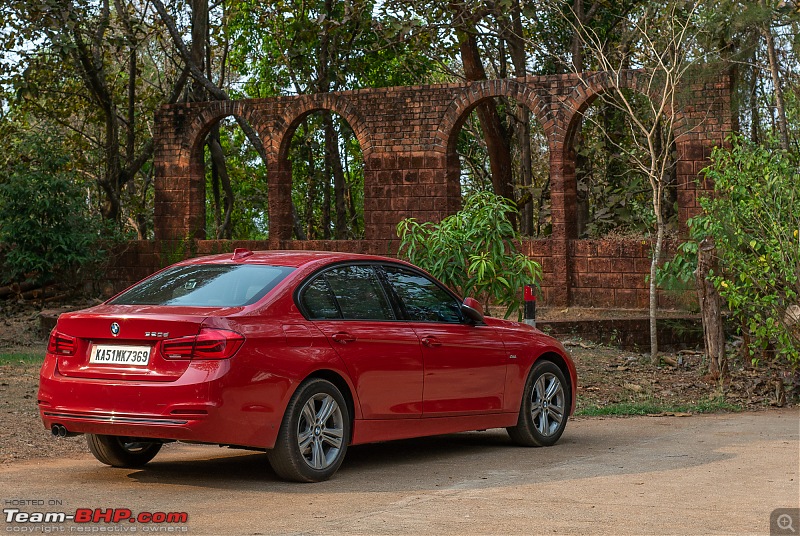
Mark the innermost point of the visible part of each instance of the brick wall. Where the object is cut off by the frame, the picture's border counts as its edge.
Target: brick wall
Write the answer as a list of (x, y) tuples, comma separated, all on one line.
[(408, 139), (605, 273)]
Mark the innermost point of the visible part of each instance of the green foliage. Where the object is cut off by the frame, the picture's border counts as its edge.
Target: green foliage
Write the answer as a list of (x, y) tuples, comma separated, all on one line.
[(754, 219), (473, 251), (248, 177), (46, 234), (173, 251), (476, 174), (313, 179), (655, 407), (22, 358)]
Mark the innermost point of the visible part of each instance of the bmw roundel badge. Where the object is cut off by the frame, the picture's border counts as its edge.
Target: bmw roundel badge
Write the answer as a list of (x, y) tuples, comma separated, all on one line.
[(114, 329)]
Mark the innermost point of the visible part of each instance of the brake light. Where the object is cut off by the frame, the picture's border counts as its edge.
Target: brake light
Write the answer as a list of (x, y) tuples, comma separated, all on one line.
[(61, 344), (208, 344)]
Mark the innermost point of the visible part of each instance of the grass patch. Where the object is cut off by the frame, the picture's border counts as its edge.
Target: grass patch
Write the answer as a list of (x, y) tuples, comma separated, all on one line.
[(648, 407), (21, 358)]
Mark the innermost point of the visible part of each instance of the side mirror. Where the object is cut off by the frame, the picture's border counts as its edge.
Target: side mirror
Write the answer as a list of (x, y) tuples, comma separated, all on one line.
[(472, 310)]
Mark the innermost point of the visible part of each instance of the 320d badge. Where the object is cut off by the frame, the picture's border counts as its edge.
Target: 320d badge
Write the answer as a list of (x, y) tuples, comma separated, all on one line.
[(301, 354)]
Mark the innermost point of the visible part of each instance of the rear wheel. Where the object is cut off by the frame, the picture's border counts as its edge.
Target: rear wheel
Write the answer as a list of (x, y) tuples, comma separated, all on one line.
[(545, 407), (312, 441), (118, 451)]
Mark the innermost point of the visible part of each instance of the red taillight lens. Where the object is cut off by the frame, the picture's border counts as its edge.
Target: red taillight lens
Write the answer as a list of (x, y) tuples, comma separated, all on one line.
[(61, 344), (209, 344)]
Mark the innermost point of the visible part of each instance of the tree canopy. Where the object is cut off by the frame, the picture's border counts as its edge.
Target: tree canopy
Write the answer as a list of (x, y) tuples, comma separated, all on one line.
[(94, 72)]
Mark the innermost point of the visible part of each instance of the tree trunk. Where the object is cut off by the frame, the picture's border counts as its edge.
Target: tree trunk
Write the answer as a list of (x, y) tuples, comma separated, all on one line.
[(198, 50), (516, 46), (710, 310), (334, 163), (582, 186), (766, 30), (224, 230), (755, 117), (311, 185), (215, 192), (577, 42), (326, 202), (655, 261), (582, 214), (493, 132)]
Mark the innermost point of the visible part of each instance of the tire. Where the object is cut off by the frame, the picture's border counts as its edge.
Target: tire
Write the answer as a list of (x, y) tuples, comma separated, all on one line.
[(544, 410), (313, 437), (118, 451)]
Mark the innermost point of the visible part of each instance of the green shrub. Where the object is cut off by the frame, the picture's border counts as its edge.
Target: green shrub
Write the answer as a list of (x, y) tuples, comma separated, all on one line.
[(46, 232), (754, 219), (473, 251)]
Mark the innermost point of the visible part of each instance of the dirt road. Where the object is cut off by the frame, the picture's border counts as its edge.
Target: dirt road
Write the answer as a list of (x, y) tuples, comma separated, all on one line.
[(714, 474)]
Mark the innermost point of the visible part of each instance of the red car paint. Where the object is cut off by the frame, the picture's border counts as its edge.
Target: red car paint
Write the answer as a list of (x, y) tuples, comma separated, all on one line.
[(404, 378)]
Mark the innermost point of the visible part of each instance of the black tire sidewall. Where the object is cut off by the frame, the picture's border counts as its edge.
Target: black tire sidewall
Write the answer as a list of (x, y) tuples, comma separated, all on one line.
[(111, 451), (526, 420), (286, 458)]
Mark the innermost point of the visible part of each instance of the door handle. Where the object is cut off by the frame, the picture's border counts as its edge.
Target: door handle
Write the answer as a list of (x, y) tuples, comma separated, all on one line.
[(431, 342), (343, 337)]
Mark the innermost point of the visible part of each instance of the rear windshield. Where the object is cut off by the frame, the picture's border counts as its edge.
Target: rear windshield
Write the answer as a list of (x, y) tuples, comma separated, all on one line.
[(206, 285)]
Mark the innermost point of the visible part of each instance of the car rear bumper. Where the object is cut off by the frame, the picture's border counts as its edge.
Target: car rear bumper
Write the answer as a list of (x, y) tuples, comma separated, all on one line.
[(196, 407)]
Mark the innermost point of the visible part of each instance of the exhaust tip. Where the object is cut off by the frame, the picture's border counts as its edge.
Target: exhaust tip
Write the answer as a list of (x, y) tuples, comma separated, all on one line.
[(59, 430)]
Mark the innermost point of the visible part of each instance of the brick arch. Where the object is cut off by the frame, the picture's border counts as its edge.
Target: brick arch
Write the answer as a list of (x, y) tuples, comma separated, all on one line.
[(404, 134), (460, 108), (587, 91), (477, 92), (215, 112), (286, 122), (191, 153), (304, 105)]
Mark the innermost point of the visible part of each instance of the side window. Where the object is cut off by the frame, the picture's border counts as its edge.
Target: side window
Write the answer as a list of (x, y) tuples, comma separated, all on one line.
[(424, 300), (318, 300), (359, 293)]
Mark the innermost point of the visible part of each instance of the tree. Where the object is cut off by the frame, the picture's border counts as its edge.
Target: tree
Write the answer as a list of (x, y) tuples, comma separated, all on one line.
[(754, 221), (89, 45), (46, 233), (665, 39), (317, 47)]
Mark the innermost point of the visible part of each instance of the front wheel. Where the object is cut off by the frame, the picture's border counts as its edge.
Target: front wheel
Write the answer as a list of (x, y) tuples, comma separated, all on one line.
[(118, 451), (312, 440), (545, 407)]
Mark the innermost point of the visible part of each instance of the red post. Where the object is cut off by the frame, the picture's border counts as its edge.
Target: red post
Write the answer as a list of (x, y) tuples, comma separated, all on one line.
[(529, 313)]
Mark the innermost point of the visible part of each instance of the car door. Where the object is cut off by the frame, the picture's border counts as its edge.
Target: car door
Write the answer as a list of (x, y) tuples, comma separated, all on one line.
[(465, 365), (349, 305)]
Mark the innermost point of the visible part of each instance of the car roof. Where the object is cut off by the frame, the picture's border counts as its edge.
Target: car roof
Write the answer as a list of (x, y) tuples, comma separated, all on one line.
[(290, 258)]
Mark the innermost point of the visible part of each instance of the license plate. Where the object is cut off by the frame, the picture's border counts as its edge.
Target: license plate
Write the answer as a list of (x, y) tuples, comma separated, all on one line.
[(107, 354)]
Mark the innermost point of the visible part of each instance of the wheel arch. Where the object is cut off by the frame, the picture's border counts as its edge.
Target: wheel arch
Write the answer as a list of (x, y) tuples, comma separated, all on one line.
[(569, 373), (344, 387)]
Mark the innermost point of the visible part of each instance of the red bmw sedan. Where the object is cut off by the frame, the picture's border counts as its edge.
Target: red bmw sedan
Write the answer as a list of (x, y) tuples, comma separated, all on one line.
[(299, 354)]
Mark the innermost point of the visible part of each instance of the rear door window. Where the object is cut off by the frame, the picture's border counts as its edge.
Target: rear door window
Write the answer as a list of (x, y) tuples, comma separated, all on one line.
[(354, 291), (318, 301)]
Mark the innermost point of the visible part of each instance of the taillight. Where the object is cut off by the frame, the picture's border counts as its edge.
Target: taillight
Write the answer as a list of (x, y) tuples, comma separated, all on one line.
[(208, 344), (61, 344)]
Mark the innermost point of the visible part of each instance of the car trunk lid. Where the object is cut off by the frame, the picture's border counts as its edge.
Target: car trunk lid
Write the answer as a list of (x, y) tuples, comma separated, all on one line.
[(125, 342)]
